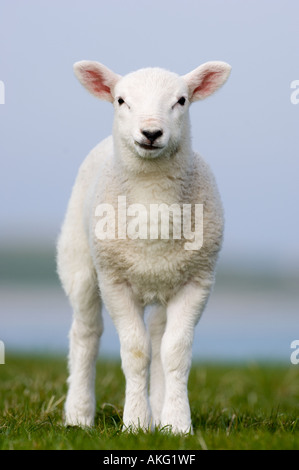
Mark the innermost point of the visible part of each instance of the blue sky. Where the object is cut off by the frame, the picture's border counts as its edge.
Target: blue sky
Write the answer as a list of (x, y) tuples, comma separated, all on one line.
[(248, 131)]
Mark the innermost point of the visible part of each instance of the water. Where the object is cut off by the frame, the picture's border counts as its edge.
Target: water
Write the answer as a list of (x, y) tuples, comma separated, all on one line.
[(237, 325)]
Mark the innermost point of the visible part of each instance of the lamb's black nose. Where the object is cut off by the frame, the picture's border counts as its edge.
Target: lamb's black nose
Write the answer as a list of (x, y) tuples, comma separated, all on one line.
[(152, 135)]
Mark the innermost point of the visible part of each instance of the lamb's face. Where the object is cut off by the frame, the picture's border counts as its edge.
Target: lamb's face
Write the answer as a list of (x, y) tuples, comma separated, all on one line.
[(151, 112)]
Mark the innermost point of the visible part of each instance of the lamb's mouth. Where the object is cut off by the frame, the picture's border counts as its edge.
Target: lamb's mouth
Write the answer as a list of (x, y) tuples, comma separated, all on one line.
[(147, 146)]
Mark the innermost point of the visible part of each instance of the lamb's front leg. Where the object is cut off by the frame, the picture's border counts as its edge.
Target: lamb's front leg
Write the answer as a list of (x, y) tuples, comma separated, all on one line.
[(127, 315), (85, 333), (183, 313)]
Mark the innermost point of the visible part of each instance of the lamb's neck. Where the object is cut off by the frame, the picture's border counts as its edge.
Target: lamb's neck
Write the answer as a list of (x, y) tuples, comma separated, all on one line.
[(159, 180)]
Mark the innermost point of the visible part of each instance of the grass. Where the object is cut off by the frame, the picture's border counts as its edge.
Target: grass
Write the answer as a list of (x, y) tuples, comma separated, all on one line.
[(233, 407)]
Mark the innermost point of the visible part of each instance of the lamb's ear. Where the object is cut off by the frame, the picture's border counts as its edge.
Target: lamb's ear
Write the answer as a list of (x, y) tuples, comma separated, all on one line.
[(206, 79), (96, 78)]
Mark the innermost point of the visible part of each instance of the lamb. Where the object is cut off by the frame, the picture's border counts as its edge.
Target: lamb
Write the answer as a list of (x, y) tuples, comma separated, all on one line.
[(148, 160)]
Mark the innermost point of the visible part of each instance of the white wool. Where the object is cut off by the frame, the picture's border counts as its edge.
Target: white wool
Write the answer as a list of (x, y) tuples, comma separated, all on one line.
[(148, 160)]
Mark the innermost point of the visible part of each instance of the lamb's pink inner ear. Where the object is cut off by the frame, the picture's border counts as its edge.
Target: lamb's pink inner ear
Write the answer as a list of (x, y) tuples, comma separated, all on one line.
[(94, 81), (209, 84), (96, 78), (206, 79)]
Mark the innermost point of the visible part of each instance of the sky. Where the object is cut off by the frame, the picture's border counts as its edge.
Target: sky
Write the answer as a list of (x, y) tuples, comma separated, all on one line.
[(247, 131)]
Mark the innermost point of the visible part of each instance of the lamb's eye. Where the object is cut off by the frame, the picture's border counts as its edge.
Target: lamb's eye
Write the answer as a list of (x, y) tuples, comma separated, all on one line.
[(182, 101), (120, 101)]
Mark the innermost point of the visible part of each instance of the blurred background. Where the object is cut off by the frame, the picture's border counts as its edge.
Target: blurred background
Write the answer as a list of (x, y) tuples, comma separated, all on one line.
[(248, 133)]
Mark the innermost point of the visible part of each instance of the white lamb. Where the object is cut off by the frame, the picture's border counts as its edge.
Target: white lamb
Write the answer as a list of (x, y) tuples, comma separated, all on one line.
[(148, 160)]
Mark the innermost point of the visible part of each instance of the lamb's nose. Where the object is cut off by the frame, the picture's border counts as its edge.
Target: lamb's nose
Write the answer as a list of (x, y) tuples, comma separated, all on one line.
[(152, 135)]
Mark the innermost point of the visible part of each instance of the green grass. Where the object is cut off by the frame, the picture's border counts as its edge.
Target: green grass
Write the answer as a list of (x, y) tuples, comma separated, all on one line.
[(233, 407)]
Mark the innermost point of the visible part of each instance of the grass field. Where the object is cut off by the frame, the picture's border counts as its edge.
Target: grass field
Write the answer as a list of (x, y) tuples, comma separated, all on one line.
[(233, 407)]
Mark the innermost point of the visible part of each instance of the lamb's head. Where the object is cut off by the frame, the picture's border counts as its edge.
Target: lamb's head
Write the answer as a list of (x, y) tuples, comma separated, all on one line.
[(151, 112), (151, 104)]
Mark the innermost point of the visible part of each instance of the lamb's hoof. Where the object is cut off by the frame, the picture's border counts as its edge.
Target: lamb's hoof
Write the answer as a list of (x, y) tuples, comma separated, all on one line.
[(177, 430), (135, 428), (77, 418)]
